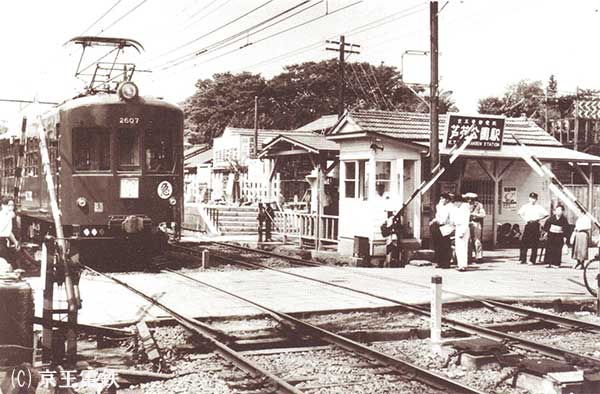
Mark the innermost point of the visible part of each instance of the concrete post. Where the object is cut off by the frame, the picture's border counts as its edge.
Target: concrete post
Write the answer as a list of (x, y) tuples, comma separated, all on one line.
[(436, 315), (205, 259)]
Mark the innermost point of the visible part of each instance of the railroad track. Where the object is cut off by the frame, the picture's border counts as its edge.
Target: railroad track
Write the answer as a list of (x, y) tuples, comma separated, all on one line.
[(403, 367), (461, 326), (217, 342), (524, 311)]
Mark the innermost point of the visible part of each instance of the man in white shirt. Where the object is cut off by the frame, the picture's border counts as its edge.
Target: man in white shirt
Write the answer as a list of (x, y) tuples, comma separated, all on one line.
[(532, 214)]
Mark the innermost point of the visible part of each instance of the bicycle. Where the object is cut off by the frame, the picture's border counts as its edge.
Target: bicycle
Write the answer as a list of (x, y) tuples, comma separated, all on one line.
[(591, 270)]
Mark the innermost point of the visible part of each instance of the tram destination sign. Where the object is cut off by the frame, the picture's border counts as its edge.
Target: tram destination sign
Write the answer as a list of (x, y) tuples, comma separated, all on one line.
[(489, 130)]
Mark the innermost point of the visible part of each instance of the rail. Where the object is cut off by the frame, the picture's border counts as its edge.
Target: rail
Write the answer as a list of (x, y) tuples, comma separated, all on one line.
[(216, 339), (404, 367), (303, 227), (468, 328)]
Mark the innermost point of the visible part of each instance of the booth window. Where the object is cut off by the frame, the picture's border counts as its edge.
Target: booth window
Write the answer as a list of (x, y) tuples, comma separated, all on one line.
[(356, 179), (128, 142), (350, 179), (159, 151), (383, 174), (91, 149)]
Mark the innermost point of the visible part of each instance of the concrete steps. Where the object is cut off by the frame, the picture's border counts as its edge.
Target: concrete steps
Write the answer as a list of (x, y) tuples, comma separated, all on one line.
[(238, 220)]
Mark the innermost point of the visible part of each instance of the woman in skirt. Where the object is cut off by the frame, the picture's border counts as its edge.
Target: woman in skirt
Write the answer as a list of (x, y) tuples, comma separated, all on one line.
[(581, 240), (557, 228)]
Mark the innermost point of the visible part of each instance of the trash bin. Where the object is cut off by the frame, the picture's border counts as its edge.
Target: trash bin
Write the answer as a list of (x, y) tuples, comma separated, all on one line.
[(361, 247)]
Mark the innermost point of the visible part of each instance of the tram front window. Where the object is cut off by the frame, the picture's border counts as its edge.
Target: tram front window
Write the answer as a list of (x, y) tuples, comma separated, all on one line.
[(128, 142), (158, 148), (91, 149)]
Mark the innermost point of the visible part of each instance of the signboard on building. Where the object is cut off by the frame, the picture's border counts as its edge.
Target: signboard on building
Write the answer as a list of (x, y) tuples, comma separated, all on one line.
[(509, 198), (488, 128)]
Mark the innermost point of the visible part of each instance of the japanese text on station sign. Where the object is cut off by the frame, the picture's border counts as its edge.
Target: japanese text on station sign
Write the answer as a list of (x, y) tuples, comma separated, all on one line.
[(489, 130)]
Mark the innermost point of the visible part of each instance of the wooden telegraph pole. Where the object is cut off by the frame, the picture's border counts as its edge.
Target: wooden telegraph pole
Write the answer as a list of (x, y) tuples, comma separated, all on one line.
[(434, 149), (342, 50)]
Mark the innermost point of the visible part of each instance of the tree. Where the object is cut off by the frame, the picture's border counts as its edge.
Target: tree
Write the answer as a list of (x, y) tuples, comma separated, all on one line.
[(524, 98), (300, 94), (226, 99)]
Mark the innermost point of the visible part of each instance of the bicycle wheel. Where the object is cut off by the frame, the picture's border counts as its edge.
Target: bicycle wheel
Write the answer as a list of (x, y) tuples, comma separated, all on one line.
[(590, 273)]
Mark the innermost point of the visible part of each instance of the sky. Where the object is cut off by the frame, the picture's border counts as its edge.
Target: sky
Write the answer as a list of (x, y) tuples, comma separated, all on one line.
[(485, 45)]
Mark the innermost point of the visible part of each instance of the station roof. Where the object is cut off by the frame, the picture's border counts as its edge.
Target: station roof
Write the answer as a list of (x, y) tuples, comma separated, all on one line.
[(311, 143), (414, 128), (322, 125), (264, 135)]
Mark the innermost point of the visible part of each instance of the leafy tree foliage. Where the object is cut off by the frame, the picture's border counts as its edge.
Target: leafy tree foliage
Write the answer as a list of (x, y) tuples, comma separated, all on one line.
[(524, 98), (300, 94)]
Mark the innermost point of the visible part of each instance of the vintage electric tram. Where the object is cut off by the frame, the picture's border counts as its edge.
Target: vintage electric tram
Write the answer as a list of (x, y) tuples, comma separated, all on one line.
[(116, 162)]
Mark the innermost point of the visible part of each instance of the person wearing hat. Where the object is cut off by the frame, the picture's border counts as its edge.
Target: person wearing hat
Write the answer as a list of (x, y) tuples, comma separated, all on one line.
[(475, 225), (440, 229), (269, 221), (531, 213), (460, 216)]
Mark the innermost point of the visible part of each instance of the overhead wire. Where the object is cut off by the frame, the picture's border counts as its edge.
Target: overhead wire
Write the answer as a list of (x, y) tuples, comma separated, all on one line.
[(201, 9), (123, 16), (190, 24), (365, 94), (244, 34), (371, 89), (398, 15), (274, 34), (389, 104), (101, 17), (216, 29)]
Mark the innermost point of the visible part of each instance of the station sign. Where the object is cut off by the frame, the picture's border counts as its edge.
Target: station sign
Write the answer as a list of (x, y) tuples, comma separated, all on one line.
[(489, 130)]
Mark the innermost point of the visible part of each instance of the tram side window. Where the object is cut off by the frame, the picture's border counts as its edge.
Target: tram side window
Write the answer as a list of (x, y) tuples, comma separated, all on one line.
[(128, 142), (158, 149), (91, 149)]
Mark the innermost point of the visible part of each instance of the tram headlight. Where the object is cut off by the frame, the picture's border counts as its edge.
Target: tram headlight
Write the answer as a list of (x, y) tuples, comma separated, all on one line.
[(86, 232), (94, 232), (81, 202), (128, 90), (172, 201)]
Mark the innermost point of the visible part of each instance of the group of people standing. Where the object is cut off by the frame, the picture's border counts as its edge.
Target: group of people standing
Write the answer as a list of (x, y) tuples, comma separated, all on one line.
[(458, 217), (555, 231)]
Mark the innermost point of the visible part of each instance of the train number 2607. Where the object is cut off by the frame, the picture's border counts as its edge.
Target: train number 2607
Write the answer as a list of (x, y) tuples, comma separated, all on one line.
[(129, 120)]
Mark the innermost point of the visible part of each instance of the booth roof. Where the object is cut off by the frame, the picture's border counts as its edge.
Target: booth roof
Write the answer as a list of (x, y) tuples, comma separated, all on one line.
[(414, 127)]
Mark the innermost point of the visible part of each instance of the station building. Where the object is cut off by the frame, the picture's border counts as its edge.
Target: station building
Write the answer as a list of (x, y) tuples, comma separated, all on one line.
[(382, 158)]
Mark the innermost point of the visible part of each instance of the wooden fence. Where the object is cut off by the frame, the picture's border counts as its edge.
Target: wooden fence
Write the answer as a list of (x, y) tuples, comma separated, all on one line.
[(302, 226)]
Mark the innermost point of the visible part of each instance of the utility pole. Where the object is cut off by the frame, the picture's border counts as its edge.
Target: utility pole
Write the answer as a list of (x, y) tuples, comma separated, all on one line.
[(434, 149), (342, 50), (255, 153)]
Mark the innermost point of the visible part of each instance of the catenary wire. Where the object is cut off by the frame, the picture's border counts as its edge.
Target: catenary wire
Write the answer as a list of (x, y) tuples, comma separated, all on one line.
[(244, 34), (274, 34), (123, 16), (216, 29), (101, 17)]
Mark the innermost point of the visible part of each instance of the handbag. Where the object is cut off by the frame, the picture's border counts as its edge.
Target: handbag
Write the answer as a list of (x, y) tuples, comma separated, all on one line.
[(446, 229)]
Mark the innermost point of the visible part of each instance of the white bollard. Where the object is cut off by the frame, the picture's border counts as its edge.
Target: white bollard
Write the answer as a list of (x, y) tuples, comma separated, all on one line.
[(436, 315), (205, 259)]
